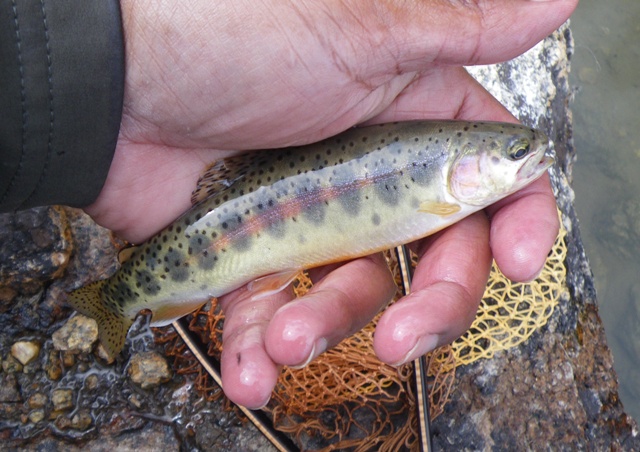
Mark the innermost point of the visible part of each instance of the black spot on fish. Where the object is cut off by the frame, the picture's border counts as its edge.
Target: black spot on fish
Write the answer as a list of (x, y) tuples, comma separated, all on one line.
[(198, 243), (207, 260), (387, 190), (277, 229), (350, 202), (375, 219), (315, 213), (147, 281), (177, 265)]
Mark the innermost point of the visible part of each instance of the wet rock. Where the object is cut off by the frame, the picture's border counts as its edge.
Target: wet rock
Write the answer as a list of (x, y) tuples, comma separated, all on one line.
[(68, 358), (79, 335), (7, 294), (62, 399), (35, 247), (102, 353), (25, 351), (11, 365), (9, 391), (135, 400), (82, 420), (37, 400), (91, 382), (149, 369), (36, 416), (62, 422), (54, 366)]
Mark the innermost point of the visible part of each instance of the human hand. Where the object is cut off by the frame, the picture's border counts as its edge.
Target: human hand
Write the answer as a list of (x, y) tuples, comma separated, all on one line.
[(205, 81)]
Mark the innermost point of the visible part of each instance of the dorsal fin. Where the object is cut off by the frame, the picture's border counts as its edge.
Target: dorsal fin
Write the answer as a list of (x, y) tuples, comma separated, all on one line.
[(219, 176)]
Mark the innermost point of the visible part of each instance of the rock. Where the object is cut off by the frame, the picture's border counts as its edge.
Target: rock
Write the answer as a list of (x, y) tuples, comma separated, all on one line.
[(9, 391), (62, 423), (77, 335), (37, 400), (149, 369), (62, 399), (11, 365), (102, 353), (7, 294), (25, 351), (35, 247), (91, 382), (53, 366), (68, 358), (82, 420), (36, 416)]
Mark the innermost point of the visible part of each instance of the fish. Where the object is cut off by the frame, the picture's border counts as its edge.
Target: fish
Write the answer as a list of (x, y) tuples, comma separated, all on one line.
[(261, 218)]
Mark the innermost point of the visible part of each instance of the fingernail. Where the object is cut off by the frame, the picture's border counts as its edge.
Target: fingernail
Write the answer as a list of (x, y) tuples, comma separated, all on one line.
[(424, 344), (319, 347)]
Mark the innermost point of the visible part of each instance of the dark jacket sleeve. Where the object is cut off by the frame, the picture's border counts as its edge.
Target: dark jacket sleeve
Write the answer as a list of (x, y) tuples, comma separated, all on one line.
[(61, 91)]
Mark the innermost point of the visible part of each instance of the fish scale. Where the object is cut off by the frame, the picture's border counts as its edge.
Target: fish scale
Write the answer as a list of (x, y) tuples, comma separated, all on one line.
[(265, 216)]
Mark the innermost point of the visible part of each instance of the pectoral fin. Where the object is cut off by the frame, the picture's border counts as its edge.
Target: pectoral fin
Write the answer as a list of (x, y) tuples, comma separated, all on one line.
[(443, 209), (271, 284)]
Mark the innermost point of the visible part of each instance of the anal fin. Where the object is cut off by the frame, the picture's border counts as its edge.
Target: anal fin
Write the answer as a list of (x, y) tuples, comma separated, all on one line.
[(271, 284), (171, 311)]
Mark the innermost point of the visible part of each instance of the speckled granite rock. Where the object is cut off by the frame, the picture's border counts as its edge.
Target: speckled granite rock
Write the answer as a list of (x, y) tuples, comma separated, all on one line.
[(557, 390)]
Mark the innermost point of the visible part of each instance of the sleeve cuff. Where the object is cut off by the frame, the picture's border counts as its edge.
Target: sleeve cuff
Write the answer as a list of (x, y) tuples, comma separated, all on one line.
[(61, 94)]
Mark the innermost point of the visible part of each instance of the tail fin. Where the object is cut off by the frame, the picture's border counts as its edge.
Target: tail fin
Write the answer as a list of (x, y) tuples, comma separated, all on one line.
[(112, 326)]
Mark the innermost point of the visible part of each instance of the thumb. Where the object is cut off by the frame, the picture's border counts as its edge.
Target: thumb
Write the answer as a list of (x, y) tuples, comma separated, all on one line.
[(469, 32)]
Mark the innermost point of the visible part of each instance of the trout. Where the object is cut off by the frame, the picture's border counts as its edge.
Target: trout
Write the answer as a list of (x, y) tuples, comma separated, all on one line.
[(260, 218)]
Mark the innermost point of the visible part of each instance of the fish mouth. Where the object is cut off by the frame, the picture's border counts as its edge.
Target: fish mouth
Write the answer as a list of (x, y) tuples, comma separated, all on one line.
[(532, 169)]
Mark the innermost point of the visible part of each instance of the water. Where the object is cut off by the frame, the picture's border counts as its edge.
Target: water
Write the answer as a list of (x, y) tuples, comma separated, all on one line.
[(606, 177)]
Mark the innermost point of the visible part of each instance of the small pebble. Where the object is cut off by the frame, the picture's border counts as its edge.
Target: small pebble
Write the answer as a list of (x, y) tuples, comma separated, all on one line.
[(53, 366), (81, 420), (149, 369), (68, 359), (25, 351), (62, 399), (101, 352), (9, 392), (37, 400), (36, 416), (135, 400), (77, 335), (11, 365), (63, 422), (91, 382)]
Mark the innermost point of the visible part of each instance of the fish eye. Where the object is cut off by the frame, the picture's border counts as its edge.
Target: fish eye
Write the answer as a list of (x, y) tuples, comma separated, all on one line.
[(519, 150)]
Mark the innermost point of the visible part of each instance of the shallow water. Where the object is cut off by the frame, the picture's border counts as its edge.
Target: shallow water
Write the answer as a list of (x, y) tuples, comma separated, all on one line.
[(606, 176)]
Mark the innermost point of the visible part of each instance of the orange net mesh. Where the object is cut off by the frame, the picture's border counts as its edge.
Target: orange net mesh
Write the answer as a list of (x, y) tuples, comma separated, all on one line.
[(346, 398)]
